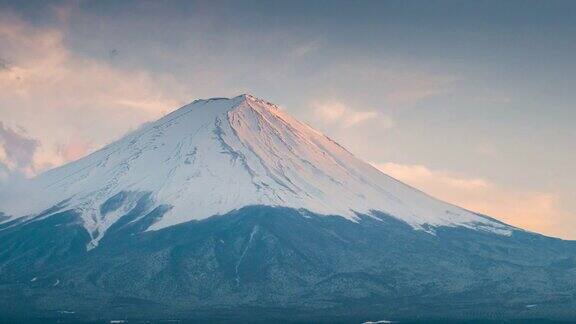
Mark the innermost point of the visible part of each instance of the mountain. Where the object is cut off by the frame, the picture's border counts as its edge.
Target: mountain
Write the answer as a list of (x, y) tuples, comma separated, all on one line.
[(218, 155), (230, 209)]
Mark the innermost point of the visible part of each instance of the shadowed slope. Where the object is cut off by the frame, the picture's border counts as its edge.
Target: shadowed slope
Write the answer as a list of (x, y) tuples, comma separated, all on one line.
[(262, 258)]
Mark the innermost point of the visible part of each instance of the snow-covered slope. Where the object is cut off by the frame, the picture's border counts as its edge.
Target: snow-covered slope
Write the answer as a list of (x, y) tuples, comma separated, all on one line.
[(213, 156)]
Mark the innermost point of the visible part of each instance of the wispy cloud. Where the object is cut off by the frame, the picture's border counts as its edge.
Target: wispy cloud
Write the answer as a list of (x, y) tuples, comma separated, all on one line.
[(422, 175), (46, 87), (306, 48), (338, 114), (410, 88), (392, 83), (74, 149), (16, 150), (537, 211)]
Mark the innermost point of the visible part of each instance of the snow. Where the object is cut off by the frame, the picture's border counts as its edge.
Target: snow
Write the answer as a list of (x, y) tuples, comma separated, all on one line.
[(217, 155), (254, 231)]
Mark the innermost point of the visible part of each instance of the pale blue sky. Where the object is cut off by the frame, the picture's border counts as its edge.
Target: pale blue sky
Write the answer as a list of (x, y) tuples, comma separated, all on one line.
[(438, 93)]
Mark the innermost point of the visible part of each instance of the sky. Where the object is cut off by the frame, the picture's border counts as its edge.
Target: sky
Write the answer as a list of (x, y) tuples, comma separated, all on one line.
[(473, 102)]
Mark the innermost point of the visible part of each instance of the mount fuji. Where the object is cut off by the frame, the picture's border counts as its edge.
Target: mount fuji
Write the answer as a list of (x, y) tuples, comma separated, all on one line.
[(230, 209)]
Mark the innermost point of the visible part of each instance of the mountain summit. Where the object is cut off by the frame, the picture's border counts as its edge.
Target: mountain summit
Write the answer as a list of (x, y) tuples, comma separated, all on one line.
[(230, 210), (217, 155)]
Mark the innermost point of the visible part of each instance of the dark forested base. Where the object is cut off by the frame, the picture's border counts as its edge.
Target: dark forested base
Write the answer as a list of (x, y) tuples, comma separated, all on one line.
[(266, 263)]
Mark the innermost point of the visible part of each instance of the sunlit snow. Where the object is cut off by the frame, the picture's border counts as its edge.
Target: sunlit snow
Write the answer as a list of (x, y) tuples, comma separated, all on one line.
[(213, 156)]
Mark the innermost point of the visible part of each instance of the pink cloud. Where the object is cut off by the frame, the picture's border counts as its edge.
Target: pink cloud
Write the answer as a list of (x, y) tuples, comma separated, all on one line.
[(537, 211), (74, 149), (339, 114), (56, 94)]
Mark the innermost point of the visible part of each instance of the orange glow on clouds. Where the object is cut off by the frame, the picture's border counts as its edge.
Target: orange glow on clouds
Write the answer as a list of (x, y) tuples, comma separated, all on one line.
[(536, 211)]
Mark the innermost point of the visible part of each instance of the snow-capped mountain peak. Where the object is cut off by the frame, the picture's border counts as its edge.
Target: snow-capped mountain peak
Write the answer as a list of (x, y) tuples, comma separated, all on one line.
[(217, 155)]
